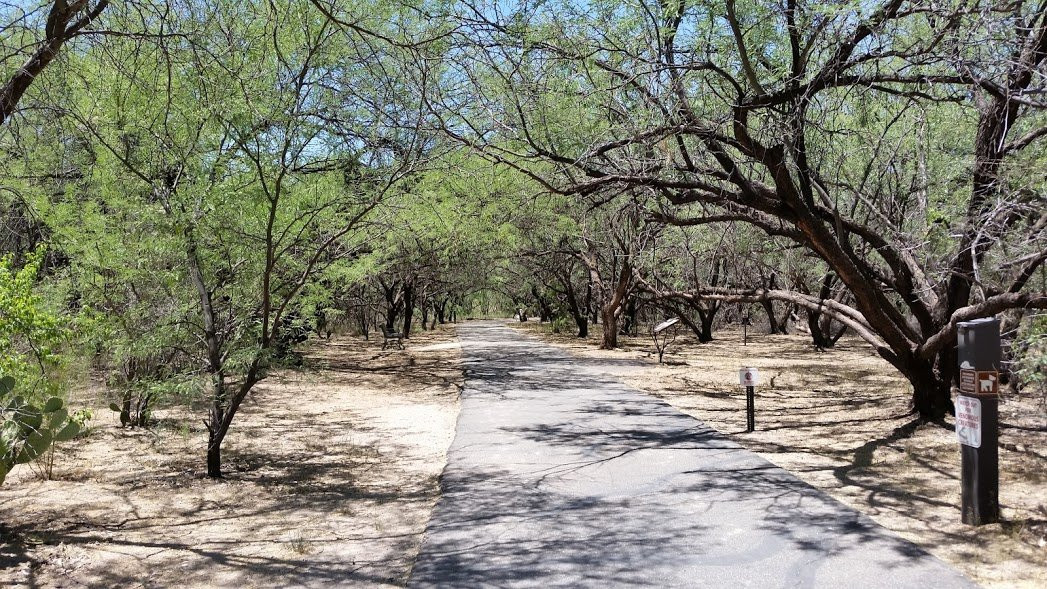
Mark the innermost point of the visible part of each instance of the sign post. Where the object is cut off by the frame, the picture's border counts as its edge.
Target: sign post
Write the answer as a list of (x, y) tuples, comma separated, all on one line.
[(661, 331), (977, 419), (749, 378)]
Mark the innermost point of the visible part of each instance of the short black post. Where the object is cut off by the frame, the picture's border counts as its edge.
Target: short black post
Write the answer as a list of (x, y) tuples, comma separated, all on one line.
[(977, 419), (750, 409)]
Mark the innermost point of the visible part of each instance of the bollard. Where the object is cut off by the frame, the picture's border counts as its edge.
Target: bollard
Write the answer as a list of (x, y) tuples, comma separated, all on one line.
[(977, 419), (749, 378), (750, 409)]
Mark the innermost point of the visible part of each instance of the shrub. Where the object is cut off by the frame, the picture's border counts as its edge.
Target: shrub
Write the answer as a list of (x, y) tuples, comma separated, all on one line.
[(29, 430), (1030, 359), (35, 417), (561, 325)]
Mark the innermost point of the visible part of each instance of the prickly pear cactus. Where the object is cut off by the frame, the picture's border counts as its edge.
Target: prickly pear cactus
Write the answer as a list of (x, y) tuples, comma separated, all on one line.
[(28, 430)]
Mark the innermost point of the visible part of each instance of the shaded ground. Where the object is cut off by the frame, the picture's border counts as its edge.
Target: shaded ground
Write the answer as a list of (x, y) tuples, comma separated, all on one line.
[(838, 420), (332, 474), (560, 475)]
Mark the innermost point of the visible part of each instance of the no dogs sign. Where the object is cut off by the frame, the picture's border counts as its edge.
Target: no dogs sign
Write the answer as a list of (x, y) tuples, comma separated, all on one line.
[(748, 377)]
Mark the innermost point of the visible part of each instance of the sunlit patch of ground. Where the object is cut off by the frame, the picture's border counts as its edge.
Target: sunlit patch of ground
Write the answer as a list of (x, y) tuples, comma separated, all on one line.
[(332, 473)]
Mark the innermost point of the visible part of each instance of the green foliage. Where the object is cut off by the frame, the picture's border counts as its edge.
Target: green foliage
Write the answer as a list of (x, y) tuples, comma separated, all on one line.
[(31, 332), (1030, 358), (29, 430), (562, 325), (32, 421)]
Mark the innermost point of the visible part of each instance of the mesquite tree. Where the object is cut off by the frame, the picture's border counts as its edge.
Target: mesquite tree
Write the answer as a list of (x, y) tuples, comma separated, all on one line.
[(246, 171), (64, 21), (808, 121)]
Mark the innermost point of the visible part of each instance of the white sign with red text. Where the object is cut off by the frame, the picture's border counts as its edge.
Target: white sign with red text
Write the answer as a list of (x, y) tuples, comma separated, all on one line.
[(969, 421)]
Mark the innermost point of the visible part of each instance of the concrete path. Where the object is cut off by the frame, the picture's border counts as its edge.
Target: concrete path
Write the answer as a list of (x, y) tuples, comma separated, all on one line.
[(560, 476)]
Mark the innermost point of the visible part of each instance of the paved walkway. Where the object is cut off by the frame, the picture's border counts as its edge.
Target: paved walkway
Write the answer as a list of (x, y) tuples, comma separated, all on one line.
[(560, 476)]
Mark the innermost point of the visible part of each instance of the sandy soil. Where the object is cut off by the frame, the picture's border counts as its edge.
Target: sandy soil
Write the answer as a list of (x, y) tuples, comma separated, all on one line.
[(839, 421), (332, 473)]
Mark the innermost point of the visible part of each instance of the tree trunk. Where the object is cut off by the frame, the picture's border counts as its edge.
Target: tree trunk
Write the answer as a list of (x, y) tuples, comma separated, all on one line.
[(818, 337), (703, 328), (609, 316), (214, 459), (425, 315), (629, 328), (592, 306), (581, 320), (822, 334), (578, 309), (705, 318), (775, 327), (931, 397), (394, 303), (215, 435), (545, 311), (408, 309)]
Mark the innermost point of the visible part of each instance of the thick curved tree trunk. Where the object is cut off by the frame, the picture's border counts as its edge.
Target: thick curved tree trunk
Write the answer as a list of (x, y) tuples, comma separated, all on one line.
[(705, 320), (703, 328), (609, 316), (931, 397), (774, 327)]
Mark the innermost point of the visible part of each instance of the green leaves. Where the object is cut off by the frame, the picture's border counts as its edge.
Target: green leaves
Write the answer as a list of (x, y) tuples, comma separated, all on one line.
[(68, 432), (28, 431), (35, 333)]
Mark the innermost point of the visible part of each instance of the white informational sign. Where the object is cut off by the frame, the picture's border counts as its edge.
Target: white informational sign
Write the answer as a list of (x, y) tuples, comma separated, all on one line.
[(748, 377), (665, 324), (969, 421)]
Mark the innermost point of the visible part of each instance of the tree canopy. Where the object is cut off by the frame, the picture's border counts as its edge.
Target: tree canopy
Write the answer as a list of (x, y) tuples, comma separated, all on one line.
[(190, 188)]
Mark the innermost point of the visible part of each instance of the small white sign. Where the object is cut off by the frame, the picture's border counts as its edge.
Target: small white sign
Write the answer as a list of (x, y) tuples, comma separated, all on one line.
[(748, 377), (665, 324), (969, 421)]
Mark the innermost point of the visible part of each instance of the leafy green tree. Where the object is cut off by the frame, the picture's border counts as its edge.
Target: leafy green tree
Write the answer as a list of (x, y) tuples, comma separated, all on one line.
[(246, 174), (809, 122), (32, 416)]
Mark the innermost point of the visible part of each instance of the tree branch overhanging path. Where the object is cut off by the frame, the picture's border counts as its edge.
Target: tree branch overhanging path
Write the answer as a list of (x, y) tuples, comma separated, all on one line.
[(794, 121), (864, 166)]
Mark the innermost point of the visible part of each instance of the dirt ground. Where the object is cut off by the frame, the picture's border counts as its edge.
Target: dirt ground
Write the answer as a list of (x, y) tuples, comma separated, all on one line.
[(332, 473), (839, 420)]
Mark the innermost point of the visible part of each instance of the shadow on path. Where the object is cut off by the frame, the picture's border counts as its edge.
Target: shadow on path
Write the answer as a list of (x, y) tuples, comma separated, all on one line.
[(561, 476)]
